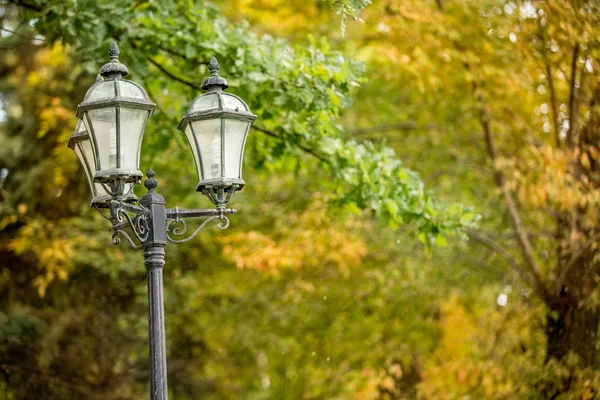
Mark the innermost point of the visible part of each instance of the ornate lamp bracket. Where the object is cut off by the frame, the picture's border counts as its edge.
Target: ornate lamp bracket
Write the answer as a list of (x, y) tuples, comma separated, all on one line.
[(150, 222)]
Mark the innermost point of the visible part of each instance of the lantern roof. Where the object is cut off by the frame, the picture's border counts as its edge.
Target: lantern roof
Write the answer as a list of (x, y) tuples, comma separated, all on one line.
[(216, 103), (113, 90), (79, 134)]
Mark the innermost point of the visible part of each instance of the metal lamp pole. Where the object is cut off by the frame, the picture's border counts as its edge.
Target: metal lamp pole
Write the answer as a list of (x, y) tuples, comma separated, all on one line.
[(114, 113)]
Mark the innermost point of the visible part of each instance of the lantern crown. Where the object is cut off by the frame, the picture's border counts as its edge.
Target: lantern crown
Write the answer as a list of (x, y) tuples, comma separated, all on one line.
[(114, 68), (214, 82)]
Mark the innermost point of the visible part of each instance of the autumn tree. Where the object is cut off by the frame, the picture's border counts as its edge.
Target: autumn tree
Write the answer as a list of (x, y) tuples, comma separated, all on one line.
[(524, 76)]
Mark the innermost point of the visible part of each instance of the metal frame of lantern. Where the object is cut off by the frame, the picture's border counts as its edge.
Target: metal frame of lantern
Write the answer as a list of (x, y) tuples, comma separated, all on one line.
[(149, 225), (100, 197)]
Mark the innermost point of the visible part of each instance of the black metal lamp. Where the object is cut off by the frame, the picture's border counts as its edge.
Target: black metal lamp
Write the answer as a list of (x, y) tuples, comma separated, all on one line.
[(114, 112), (216, 126)]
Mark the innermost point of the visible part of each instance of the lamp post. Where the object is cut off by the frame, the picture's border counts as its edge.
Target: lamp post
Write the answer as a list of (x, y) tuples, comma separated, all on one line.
[(107, 141)]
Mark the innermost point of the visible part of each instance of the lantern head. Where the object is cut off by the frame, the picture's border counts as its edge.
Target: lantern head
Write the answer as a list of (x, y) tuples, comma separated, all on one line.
[(114, 112), (216, 126)]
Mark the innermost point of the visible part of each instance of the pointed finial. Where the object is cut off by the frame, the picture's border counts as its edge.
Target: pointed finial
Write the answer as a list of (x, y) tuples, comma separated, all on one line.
[(213, 66), (114, 51), (150, 183), (114, 69), (214, 81)]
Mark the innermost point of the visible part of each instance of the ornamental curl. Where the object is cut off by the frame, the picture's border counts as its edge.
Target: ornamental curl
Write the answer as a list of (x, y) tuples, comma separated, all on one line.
[(181, 230)]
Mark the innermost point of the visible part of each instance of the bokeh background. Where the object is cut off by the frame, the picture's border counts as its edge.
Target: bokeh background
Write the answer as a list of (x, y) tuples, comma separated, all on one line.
[(467, 270)]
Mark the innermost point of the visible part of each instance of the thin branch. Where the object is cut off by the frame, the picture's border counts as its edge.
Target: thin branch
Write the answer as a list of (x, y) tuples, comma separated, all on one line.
[(302, 147), (24, 4), (173, 76), (572, 98), (492, 245), (553, 103), (550, 78), (395, 126), (511, 205)]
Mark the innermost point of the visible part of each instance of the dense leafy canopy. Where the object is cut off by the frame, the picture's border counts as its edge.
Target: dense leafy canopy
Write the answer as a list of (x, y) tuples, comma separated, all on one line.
[(306, 295), (297, 92)]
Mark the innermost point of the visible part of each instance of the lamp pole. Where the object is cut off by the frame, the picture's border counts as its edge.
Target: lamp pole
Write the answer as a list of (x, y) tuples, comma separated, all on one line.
[(114, 113)]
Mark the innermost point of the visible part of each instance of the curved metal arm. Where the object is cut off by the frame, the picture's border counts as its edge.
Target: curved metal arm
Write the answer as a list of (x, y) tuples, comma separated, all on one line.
[(139, 225), (180, 231), (116, 240), (120, 219)]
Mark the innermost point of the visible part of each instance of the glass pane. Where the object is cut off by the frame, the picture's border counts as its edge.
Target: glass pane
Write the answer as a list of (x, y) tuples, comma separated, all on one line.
[(102, 91), (88, 152), (208, 133), (128, 89), (232, 103), (132, 125), (105, 131), (205, 102), (194, 147), (235, 135), (99, 190), (87, 166)]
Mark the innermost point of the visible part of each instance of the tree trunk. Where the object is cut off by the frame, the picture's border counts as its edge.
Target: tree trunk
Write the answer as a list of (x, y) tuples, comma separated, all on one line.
[(573, 328)]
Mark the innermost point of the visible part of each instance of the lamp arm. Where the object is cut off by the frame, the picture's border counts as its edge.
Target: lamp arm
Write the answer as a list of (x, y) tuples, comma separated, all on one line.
[(176, 213), (177, 216)]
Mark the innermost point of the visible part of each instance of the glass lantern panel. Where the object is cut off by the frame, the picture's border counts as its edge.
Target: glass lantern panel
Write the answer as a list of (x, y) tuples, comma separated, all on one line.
[(208, 135), (102, 91), (235, 135), (192, 141), (232, 103), (128, 89), (104, 126), (131, 132), (86, 162), (206, 102)]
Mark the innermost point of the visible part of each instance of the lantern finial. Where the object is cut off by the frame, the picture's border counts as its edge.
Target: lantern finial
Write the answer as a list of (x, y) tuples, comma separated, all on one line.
[(213, 66), (214, 81), (150, 183), (114, 69)]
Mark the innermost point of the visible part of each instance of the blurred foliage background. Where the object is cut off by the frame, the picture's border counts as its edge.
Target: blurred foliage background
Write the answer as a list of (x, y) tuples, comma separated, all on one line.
[(343, 276)]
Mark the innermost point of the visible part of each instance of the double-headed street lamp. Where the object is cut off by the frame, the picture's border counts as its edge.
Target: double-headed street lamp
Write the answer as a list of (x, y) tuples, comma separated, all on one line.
[(107, 141)]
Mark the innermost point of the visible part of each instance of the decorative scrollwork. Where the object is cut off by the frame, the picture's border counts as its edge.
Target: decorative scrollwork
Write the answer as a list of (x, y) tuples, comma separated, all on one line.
[(222, 226), (139, 225), (181, 230), (116, 239)]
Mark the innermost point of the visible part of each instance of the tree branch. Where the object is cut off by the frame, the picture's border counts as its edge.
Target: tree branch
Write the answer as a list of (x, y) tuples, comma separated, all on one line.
[(172, 75), (552, 89), (492, 245), (572, 98), (302, 147), (24, 4), (395, 126), (513, 211)]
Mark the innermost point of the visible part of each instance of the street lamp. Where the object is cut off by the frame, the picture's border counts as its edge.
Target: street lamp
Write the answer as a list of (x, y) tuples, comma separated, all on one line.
[(107, 141)]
